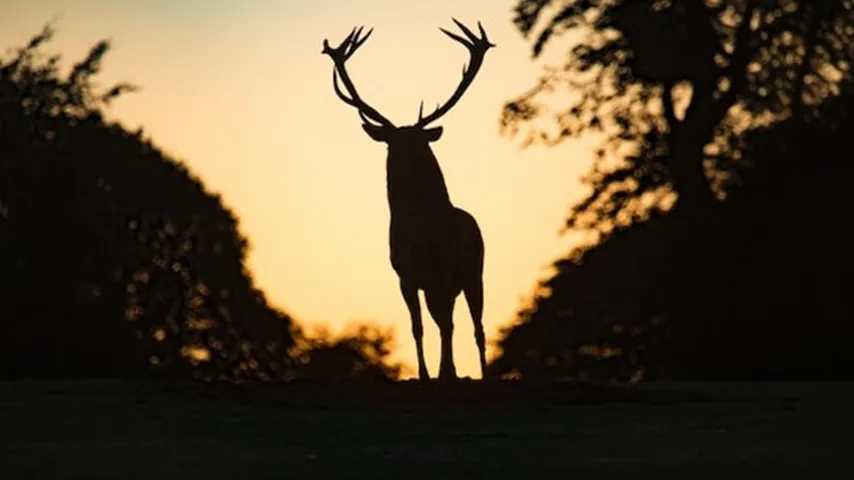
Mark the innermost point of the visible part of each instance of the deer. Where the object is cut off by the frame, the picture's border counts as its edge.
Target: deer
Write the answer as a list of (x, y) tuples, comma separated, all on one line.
[(434, 246)]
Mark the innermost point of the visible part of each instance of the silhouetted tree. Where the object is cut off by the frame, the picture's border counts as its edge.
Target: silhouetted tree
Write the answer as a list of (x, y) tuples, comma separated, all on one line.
[(759, 290), (743, 101), (115, 258), (671, 86)]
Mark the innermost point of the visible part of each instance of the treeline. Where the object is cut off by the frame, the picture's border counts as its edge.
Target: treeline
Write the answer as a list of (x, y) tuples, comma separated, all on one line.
[(717, 210)]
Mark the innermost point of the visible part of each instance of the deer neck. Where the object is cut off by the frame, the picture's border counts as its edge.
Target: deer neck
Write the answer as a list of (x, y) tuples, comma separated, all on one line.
[(415, 184)]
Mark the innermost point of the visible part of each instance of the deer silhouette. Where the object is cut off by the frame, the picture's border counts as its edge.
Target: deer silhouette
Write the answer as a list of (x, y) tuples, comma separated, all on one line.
[(434, 246)]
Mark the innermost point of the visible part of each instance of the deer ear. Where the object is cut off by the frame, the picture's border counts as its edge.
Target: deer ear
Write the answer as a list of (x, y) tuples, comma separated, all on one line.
[(378, 133), (433, 134)]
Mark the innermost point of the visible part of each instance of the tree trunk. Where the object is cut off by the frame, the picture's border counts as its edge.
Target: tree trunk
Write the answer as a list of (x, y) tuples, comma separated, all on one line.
[(688, 140)]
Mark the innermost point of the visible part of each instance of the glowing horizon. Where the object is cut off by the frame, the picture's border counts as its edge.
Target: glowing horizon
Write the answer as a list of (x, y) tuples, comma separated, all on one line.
[(242, 95)]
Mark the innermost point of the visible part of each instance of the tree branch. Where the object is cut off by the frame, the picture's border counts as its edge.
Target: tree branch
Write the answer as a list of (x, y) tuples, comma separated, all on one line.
[(667, 102)]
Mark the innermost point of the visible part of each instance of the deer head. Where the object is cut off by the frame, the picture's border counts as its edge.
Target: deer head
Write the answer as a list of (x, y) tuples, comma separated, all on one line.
[(374, 123)]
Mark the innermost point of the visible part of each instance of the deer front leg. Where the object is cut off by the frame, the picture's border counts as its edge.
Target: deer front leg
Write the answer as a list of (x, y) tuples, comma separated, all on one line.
[(441, 306), (410, 296)]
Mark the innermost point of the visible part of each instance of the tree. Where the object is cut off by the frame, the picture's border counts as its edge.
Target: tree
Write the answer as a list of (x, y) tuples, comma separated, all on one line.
[(672, 87), (738, 110), (116, 259), (760, 292)]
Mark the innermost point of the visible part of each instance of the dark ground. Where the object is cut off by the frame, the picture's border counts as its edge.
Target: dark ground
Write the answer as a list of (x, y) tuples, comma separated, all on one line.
[(121, 429)]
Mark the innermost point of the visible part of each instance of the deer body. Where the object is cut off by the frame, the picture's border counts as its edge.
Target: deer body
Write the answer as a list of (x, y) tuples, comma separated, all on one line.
[(434, 246)]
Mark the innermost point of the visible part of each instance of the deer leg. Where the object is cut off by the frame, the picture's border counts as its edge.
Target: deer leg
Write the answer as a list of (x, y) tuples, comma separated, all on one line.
[(441, 306), (410, 296), (474, 298)]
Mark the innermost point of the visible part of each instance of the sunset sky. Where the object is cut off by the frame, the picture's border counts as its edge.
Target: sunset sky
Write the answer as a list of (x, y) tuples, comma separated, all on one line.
[(240, 92)]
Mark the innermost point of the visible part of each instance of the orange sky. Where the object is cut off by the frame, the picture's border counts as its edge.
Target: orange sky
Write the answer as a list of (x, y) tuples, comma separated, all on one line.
[(240, 92)]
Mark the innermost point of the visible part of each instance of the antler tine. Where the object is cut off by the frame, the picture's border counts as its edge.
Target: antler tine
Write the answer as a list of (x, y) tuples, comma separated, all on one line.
[(466, 31), (352, 34), (354, 43), (421, 111), (483, 35), (346, 42), (358, 42)]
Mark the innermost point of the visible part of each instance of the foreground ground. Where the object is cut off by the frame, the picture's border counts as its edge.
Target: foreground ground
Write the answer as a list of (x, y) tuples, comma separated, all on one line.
[(115, 429)]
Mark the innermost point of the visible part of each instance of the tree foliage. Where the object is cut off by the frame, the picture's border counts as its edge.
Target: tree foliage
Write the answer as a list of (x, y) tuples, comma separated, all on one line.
[(672, 87), (116, 260)]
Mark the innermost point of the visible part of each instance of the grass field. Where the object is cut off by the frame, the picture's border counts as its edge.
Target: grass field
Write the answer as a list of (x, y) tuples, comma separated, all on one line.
[(98, 429)]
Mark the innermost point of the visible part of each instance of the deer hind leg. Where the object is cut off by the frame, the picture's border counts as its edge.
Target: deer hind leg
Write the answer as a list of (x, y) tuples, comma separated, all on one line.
[(410, 296), (474, 298), (441, 306)]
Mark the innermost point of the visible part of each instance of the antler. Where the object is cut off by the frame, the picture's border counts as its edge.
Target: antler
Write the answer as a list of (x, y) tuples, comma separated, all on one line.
[(477, 47), (339, 56)]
